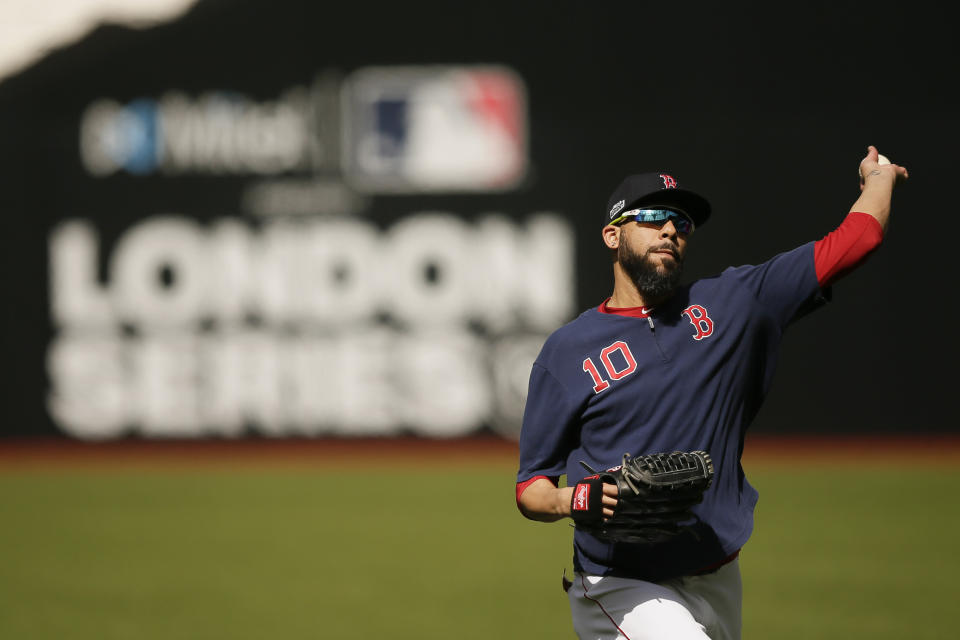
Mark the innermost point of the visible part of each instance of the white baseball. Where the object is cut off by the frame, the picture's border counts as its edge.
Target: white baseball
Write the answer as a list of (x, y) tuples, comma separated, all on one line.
[(881, 159)]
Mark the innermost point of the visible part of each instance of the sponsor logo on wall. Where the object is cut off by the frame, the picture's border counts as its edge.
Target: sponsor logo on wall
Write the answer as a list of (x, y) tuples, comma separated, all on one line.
[(386, 129), (215, 133)]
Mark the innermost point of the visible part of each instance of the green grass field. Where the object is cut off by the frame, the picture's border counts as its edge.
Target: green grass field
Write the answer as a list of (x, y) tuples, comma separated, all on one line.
[(412, 552)]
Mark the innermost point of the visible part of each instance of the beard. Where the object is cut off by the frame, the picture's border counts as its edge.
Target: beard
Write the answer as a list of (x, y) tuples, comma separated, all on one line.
[(653, 281)]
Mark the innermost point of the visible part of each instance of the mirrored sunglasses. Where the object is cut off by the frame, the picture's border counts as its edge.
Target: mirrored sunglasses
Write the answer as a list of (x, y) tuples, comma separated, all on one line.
[(682, 223)]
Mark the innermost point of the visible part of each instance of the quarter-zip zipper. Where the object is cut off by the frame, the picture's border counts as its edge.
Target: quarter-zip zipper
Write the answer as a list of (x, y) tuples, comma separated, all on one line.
[(653, 332)]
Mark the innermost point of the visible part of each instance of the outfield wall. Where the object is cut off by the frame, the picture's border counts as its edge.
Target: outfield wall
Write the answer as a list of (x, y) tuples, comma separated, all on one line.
[(281, 220), (483, 452)]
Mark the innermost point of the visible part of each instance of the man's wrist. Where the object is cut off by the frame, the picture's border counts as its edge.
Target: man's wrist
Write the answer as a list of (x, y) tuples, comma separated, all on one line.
[(877, 179), (564, 498)]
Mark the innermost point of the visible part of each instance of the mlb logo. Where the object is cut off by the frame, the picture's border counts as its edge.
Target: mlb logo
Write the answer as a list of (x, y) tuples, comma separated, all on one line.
[(434, 129)]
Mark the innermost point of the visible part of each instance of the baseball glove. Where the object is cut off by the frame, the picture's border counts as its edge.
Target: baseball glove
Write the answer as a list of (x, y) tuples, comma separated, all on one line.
[(655, 496)]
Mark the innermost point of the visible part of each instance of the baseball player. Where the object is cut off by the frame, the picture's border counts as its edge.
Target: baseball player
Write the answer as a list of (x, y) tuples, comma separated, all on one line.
[(659, 367)]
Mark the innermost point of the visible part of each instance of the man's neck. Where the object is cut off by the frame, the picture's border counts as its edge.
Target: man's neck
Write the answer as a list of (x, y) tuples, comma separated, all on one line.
[(626, 296)]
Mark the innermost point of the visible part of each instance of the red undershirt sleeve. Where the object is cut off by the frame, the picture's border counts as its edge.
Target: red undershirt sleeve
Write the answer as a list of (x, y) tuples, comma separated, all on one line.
[(522, 486), (846, 247)]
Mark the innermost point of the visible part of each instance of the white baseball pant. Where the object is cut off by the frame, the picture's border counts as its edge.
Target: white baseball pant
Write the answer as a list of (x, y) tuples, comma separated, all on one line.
[(686, 608)]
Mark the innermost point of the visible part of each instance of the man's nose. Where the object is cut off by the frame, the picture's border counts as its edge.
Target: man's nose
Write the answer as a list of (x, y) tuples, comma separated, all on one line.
[(668, 230)]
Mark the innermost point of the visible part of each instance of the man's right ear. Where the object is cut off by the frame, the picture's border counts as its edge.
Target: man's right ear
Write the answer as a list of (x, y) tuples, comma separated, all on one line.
[(611, 236)]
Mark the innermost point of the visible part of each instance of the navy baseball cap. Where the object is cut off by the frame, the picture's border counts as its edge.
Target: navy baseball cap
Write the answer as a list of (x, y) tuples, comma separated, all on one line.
[(653, 189)]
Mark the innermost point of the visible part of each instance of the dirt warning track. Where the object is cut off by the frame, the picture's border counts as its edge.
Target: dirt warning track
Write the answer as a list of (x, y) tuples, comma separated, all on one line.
[(477, 451)]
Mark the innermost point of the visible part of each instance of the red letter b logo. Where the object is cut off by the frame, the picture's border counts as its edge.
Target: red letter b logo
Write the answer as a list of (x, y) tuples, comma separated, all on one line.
[(700, 321)]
